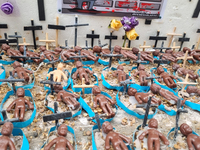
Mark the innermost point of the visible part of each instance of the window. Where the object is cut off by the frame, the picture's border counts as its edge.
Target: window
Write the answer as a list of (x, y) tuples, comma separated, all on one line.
[(124, 4)]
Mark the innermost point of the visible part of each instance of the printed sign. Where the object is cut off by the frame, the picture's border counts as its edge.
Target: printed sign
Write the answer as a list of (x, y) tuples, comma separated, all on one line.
[(139, 8)]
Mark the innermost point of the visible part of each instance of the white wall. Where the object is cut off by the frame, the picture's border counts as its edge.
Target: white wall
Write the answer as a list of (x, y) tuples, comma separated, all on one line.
[(178, 13)]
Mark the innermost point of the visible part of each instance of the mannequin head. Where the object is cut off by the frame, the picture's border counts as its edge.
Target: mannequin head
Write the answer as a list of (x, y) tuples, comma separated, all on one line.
[(62, 130), (185, 129), (7, 129), (107, 127), (131, 92), (155, 88), (96, 90)]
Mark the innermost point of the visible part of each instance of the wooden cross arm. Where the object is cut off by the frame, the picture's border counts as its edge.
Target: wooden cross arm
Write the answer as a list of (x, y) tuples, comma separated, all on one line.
[(174, 34), (48, 41), (190, 57), (185, 83), (24, 43), (83, 86), (175, 47), (145, 47)]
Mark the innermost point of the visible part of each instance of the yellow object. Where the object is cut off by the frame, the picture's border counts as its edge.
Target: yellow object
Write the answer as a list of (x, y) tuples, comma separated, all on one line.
[(115, 24), (58, 74), (131, 35)]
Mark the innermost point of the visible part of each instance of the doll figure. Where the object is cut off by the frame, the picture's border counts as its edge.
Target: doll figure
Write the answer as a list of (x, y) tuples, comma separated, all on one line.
[(58, 74), (66, 97), (50, 55), (193, 89), (19, 104), (165, 56), (184, 71), (61, 143), (98, 49), (11, 52), (31, 54), (122, 76), (156, 89), (87, 53), (142, 97), (193, 141), (144, 55), (103, 102), (167, 78), (5, 141), (82, 72), (142, 75), (22, 73), (116, 139), (66, 54), (125, 53), (154, 136)]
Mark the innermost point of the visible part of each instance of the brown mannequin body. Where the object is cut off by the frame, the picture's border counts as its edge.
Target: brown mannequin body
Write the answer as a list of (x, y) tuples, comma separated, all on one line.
[(20, 105), (156, 89), (61, 142), (58, 74), (154, 136), (98, 49), (68, 53), (142, 75), (184, 71), (11, 52), (125, 53), (5, 141), (144, 55), (82, 72), (193, 89), (120, 73), (142, 97), (32, 54), (48, 54), (115, 138), (167, 78), (87, 53), (5, 47), (66, 97), (165, 56), (21, 72), (193, 141), (103, 102)]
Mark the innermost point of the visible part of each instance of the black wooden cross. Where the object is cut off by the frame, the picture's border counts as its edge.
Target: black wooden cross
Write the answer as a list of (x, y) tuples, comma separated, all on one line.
[(147, 112), (160, 61), (7, 41), (17, 37), (76, 25), (125, 83), (53, 62), (33, 28), (92, 37), (111, 55), (162, 47), (182, 40), (12, 80), (56, 115), (129, 41), (5, 118), (139, 61), (24, 57), (198, 30), (111, 37), (152, 77), (157, 38), (3, 26), (178, 112), (51, 83), (97, 118)]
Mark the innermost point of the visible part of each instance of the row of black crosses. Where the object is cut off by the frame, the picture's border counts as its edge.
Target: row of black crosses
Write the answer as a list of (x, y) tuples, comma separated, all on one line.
[(93, 36)]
